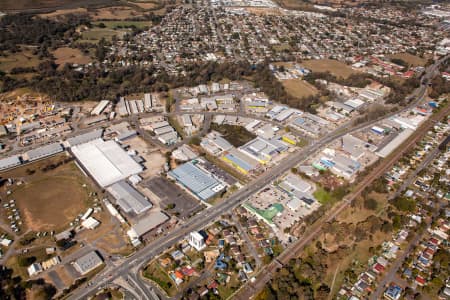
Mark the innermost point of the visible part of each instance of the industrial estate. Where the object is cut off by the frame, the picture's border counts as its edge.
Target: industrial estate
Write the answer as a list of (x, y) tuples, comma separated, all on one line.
[(226, 150)]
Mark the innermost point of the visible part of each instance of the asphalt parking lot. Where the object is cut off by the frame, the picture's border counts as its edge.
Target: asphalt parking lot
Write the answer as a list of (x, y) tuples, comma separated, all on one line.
[(170, 193)]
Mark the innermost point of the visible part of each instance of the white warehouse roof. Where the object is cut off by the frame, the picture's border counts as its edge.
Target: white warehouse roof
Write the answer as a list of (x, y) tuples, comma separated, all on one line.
[(9, 162), (107, 162)]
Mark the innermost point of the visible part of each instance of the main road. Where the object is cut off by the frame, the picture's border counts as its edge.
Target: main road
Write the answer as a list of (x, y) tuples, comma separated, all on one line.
[(134, 263)]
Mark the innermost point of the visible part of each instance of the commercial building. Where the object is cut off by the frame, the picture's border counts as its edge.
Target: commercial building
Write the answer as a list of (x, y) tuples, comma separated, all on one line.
[(87, 263), (151, 221), (169, 138), (355, 147), (243, 163), (199, 182), (344, 166), (262, 149), (90, 223), (34, 269), (215, 144), (43, 152), (84, 138), (99, 108), (184, 153), (197, 241), (293, 182), (106, 161), (9, 162), (396, 142), (128, 198)]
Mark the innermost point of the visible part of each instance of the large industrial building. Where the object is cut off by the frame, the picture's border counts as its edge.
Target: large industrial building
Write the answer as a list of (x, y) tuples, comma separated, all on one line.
[(9, 162), (43, 152), (243, 163), (199, 182), (128, 198), (106, 161), (84, 138), (262, 149), (87, 263), (397, 141), (151, 221)]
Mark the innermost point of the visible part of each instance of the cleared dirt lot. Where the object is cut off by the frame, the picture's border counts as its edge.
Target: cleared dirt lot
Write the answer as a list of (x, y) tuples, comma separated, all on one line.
[(61, 12), (410, 59), (299, 88), (154, 159), (48, 200), (66, 55), (337, 68)]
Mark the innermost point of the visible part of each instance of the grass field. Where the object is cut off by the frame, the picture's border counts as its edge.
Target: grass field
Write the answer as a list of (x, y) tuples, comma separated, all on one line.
[(20, 59), (299, 88), (96, 34), (115, 13), (118, 24), (48, 200), (322, 195), (337, 68), (156, 273), (66, 55), (413, 60)]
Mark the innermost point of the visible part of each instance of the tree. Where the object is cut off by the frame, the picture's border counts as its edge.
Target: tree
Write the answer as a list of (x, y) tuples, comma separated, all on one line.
[(25, 261), (370, 203)]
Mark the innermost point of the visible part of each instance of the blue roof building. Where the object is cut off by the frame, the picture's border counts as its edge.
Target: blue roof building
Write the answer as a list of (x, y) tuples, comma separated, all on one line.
[(198, 181)]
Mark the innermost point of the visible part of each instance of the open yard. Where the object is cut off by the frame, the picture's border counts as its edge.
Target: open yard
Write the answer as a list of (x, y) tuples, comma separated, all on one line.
[(48, 200), (413, 60), (96, 34), (299, 88), (337, 68), (157, 274), (115, 13), (293, 4), (147, 4), (45, 5), (66, 55), (123, 24), (61, 12), (235, 135), (22, 59)]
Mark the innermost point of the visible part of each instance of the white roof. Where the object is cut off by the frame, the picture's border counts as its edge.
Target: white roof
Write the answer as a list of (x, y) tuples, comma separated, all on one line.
[(107, 162), (9, 162), (152, 220), (397, 141)]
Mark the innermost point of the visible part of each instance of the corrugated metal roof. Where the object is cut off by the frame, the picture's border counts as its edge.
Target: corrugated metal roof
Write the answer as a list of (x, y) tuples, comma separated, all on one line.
[(128, 198), (152, 220), (44, 151), (107, 162), (84, 138), (196, 180), (9, 162)]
